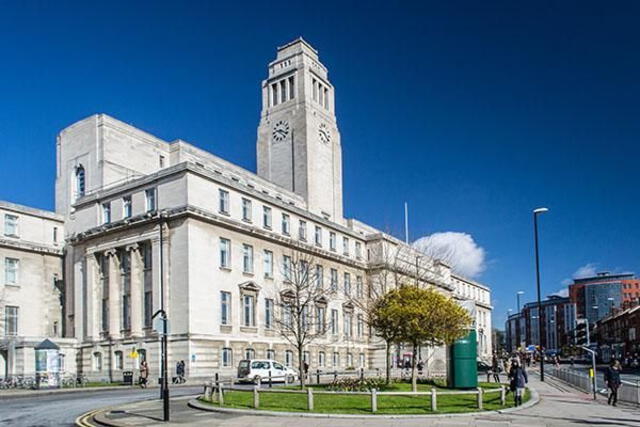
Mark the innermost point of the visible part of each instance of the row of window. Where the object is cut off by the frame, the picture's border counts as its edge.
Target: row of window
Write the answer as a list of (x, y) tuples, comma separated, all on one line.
[(282, 91), (127, 211), (316, 276), (10, 320), (250, 354), (310, 320), (11, 271), (286, 224), (11, 227)]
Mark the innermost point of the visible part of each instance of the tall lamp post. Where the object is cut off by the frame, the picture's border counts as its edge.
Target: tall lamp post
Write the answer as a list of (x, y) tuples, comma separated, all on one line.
[(518, 298), (537, 212)]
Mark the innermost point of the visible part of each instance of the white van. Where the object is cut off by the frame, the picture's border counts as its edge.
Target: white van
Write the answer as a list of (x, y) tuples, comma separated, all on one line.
[(258, 370)]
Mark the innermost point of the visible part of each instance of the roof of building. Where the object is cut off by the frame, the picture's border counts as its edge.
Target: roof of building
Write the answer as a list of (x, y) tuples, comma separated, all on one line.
[(14, 207)]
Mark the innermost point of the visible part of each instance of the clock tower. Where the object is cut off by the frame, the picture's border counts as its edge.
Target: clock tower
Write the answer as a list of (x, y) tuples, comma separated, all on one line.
[(298, 140)]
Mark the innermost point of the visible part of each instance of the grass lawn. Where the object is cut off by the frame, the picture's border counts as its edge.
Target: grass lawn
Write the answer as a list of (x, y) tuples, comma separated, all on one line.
[(361, 404)]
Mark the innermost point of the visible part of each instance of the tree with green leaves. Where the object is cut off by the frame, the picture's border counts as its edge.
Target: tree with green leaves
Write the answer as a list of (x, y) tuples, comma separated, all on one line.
[(422, 317), (385, 317)]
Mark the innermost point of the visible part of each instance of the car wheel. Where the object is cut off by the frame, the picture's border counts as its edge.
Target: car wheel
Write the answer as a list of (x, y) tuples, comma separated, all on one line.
[(291, 379), (257, 379)]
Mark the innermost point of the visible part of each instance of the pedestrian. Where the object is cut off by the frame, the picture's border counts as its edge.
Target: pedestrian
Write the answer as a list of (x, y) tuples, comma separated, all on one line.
[(571, 359), (556, 360), (180, 379), (612, 379), (305, 366), (420, 367), (144, 374), (495, 367), (517, 381)]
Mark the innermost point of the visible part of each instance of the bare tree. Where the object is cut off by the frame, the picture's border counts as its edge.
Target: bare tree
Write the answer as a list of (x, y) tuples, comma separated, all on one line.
[(299, 301)]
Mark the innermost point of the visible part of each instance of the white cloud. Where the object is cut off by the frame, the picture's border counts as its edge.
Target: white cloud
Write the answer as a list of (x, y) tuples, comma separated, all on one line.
[(562, 293), (587, 270), (459, 250)]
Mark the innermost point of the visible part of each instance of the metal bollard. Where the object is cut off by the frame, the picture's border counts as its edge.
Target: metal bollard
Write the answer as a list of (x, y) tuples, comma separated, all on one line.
[(374, 400), (220, 395), (361, 373), (318, 376), (256, 397), (503, 396), (270, 384), (309, 399), (335, 375), (434, 401), (479, 398)]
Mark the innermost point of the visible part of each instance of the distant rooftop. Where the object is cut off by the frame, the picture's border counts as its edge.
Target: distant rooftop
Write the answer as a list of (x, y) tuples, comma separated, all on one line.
[(604, 276)]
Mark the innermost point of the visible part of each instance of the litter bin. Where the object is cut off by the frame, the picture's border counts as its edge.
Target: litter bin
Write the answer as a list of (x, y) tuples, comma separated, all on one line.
[(463, 367), (127, 377)]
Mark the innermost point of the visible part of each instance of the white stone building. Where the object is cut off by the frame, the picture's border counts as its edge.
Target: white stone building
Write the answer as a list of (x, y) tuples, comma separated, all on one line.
[(141, 213), (480, 295), (31, 251)]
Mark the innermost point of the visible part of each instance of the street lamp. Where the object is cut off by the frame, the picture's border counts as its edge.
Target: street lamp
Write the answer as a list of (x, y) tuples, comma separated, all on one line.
[(518, 298), (536, 212)]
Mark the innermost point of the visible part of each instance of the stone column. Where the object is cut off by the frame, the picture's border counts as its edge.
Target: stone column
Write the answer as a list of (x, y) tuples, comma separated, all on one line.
[(137, 289), (93, 297), (114, 293)]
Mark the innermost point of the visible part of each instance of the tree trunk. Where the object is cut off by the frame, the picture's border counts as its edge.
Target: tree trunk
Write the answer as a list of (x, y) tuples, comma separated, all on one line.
[(388, 361), (414, 376), (301, 366)]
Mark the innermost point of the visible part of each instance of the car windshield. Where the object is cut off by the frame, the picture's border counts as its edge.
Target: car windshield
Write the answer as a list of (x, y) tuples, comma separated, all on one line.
[(277, 365), (260, 365)]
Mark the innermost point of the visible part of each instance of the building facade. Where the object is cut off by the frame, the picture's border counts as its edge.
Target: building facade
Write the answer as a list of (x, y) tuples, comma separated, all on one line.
[(598, 296), (31, 251), (150, 223), (558, 321)]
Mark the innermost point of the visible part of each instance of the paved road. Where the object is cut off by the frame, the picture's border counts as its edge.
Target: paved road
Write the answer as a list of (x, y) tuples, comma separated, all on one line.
[(62, 409)]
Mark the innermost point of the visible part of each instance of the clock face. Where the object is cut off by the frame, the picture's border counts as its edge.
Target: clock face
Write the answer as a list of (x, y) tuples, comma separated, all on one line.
[(280, 130), (324, 133)]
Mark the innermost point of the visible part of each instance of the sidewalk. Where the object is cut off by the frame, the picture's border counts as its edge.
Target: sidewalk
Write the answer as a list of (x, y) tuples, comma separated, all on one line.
[(560, 405)]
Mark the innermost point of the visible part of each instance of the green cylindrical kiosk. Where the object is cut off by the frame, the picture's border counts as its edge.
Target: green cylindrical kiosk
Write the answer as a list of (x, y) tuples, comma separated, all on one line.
[(463, 367)]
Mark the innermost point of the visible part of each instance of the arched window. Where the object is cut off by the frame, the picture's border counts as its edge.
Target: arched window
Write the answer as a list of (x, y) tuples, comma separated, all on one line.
[(80, 182)]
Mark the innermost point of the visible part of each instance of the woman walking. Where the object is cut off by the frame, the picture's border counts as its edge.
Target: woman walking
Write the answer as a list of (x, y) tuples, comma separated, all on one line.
[(612, 379), (144, 373), (518, 379)]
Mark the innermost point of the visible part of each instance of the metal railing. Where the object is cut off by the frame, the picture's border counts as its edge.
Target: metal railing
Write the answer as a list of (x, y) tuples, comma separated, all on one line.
[(628, 392), (214, 391)]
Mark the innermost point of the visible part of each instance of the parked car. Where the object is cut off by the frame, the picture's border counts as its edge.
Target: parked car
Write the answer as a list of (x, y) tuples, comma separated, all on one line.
[(258, 370)]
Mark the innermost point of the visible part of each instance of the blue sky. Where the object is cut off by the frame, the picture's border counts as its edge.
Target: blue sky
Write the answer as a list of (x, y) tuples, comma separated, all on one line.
[(473, 112)]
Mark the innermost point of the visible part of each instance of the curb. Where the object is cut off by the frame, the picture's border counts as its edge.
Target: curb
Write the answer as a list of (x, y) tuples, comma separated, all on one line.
[(35, 393), (196, 404)]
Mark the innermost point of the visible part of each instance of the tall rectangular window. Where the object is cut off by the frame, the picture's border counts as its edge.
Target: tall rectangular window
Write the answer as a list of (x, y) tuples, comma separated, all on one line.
[(359, 287), (334, 321), (321, 359), (104, 285), (266, 217), (283, 90), (55, 235), (248, 304), (268, 264), (319, 276), (10, 225), (268, 313), (347, 324), (286, 224), (336, 359), (247, 258), (161, 161), (334, 279), (318, 237), (332, 241), (225, 253), (358, 250), (150, 197), (345, 246), (106, 213), (147, 263), (126, 207), (314, 84), (227, 357), (225, 307), (246, 210), (125, 279), (302, 230), (286, 267), (360, 327), (271, 354), (10, 320), (274, 94), (326, 98), (11, 266), (347, 284), (292, 88), (223, 201), (320, 319)]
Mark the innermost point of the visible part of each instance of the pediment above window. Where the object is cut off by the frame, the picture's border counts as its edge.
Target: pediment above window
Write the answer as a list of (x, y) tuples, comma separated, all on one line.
[(249, 286)]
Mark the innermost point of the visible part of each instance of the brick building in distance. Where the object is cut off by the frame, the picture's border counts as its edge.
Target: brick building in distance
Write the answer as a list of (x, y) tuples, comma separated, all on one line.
[(597, 296)]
